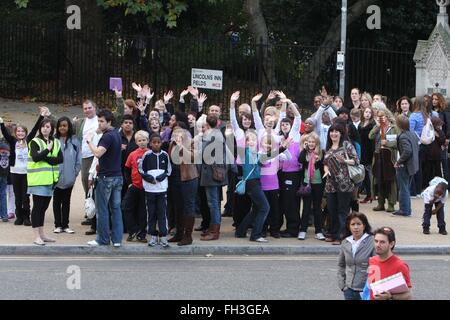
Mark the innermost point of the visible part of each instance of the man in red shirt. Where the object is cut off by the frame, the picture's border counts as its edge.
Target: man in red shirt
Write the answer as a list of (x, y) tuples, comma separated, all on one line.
[(134, 200), (386, 264)]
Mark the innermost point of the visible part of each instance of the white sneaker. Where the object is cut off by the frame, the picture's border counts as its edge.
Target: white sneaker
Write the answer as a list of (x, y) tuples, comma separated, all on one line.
[(68, 230), (163, 242), (301, 235), (153, 241), (261, 239), (320, 236), (117, 245), (58, 230), (93, 243)]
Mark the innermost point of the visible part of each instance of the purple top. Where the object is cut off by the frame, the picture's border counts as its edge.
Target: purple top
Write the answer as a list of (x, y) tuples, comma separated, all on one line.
[(292, 165)]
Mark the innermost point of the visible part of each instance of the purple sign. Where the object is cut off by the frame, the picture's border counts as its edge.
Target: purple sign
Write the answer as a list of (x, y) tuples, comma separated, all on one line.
[(115, 83)]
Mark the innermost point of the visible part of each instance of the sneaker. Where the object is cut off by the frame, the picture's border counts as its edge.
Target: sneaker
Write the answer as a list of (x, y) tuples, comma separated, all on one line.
[(285, 234), (68, 230), (5, 219), (163, 242), (58, 230), (261, 239), (11, 215), (443, 232), (426, 230), (93, 243), (86, 222), (320, 236), (153, 241), (141, 238), (39, 242), (301, 235), (117, 245)]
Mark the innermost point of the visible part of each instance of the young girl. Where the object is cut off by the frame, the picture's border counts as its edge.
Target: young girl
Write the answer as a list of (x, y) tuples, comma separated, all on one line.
[(311, 160), (68, 172), (42, 175), (289, 176), (367, 149), (18, 143)]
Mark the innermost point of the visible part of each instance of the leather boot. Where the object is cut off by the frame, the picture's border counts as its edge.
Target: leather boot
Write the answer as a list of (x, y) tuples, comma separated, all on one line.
[(380, 206), (214, 232), (188, 226), (180, 230)]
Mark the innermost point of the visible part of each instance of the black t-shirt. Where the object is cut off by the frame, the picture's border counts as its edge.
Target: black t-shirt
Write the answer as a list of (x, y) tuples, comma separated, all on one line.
[(111, 160)]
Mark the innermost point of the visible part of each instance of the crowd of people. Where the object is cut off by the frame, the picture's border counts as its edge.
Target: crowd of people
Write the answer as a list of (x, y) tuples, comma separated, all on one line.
[(152, 167)]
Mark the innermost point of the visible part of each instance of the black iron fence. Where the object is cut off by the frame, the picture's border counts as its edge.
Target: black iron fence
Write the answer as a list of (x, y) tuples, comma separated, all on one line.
[(63, 66)]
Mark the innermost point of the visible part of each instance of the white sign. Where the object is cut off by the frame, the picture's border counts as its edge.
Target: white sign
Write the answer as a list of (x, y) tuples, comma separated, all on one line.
[(340, 60), (207, 79)]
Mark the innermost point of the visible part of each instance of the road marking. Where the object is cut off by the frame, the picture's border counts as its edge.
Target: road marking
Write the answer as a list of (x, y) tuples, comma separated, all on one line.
[(201, 258)]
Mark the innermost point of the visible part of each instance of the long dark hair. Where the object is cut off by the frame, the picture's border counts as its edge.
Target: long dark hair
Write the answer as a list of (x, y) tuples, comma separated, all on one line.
[(338, 127), (248, 116), (360, 216), (70, 130), (52, 131)]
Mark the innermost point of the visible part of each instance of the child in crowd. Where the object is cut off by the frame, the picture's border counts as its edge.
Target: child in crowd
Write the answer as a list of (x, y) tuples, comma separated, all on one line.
[(155, 168), (4, 171), (435, 194), (134, 200), (311, 159)]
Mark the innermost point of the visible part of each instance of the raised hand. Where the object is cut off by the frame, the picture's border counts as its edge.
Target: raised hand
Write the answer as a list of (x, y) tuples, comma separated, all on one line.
[(257, 97), (136, 87), (118, 93), (184, 93), (271, 95), (280, 94), (43, 111), (168, 96), (201, 99), (235, 96), (141, 107), (193, 91)]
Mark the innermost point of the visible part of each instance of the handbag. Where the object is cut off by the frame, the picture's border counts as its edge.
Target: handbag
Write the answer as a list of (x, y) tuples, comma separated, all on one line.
[(89, 205), (304, 190), (219, 172), (427, 136), (240, 186), (356, 172)]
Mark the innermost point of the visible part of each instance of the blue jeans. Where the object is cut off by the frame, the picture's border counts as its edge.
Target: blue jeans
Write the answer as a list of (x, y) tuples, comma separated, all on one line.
[(212, 196), (403, 182), (3, 208), (259, 212), (107, 201), (350, 294)]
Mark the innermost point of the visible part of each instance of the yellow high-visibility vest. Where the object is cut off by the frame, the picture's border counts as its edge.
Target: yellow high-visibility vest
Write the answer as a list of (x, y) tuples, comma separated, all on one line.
[(42, 173)]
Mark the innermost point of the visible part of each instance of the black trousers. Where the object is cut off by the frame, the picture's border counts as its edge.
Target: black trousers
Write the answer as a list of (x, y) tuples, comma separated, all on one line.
[(242, 203), (339, 207), (289, 201), (232, 180), (40, 205), (431, 169), (428, 213), (22, 199), (312, 205), (273, 221), (61, 207), (134, 210), (174, 203)]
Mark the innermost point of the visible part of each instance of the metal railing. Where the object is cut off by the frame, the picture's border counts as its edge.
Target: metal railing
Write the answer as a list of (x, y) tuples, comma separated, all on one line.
[(63, 66)]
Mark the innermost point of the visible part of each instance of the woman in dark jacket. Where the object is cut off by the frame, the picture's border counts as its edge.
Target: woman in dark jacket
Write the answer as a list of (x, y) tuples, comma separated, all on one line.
[(367, 149), (443, 109)]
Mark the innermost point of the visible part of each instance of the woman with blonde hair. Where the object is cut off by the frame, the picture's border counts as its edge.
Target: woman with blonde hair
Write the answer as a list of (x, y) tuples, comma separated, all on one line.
[(366, 100), (311, 159)]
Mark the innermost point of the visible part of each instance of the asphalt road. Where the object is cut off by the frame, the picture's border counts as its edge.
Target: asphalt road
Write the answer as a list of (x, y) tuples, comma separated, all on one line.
[(185, 278)]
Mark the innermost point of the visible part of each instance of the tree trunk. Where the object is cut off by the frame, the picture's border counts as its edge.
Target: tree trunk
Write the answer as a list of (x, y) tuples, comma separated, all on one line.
[(258, 28), (329, 44)]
